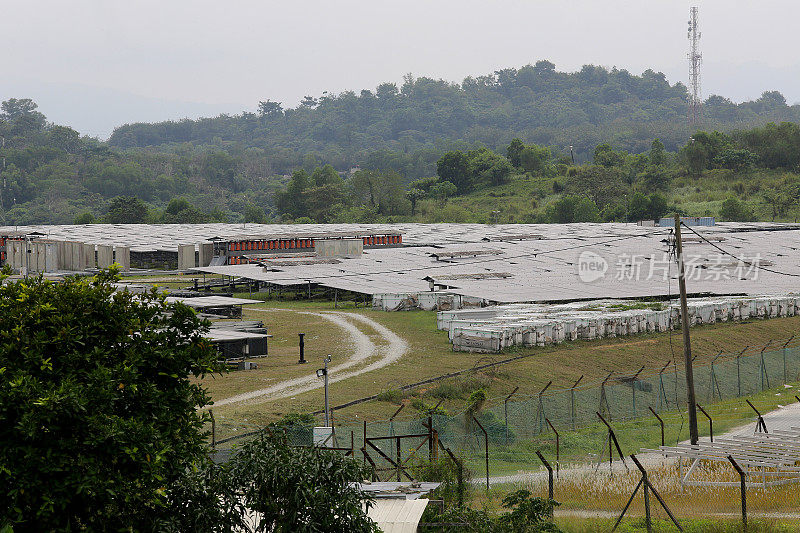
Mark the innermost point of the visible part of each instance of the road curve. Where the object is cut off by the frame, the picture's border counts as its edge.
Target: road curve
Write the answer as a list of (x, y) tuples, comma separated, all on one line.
[(363, 349)]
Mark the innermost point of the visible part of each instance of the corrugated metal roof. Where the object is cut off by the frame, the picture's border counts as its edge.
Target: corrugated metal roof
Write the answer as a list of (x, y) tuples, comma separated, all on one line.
[(200, 302), (397, 516), (547, 270)]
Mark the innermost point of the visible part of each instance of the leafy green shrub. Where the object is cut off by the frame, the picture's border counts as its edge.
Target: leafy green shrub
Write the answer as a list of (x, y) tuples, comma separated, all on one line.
[(735, 211), (527, 514), (98, 415), (391, 395), (422, 407)]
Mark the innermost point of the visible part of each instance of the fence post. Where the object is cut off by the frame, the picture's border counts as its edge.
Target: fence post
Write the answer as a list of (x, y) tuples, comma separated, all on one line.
[(743, 489), (613, 437), (213, 430), (572, 400), (505, 410), (760, 425), (486, 447), (660, 422), (763, 366), (784, 357), (714, 384), (549, 474), (662, 391), (558, 445), (738, 372), (633, 389), (431, 444), (391, 419), (710, 422), (460, 466), (399, 469), (540, 410), (603, 397)]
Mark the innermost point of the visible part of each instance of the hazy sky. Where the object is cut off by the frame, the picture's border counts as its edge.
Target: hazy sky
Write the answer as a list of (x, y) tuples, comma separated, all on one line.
[(95, 64)]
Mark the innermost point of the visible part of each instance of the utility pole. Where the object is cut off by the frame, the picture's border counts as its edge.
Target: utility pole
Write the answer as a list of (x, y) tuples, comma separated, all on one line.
[(687, 347), (323, 373)]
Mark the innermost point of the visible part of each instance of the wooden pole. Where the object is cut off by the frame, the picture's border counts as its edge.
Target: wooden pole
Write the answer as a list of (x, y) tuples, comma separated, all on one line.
[(687, 347)]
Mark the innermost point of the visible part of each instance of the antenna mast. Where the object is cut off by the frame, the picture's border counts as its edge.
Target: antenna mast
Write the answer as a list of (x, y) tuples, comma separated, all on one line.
[(695, 59)]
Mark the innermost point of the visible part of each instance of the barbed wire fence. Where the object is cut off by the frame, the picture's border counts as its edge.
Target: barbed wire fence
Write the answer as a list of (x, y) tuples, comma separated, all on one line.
[(501, 438)]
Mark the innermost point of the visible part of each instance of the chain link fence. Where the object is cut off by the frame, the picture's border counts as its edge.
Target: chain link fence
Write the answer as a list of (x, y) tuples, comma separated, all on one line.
[(564, 423)]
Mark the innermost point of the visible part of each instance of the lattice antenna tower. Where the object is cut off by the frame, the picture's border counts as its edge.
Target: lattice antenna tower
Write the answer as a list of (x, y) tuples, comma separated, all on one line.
[(695, 60)]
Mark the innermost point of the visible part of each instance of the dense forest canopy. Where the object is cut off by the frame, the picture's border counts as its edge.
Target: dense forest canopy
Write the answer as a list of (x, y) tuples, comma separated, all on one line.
[(406, 128), (528, 144)]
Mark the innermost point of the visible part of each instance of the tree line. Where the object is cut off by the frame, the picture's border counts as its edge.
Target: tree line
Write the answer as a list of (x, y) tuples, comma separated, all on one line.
[(407, 127), (51, 174)]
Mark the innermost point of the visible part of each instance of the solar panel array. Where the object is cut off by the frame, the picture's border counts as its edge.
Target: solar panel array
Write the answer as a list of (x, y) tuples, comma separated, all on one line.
[(539, 262)]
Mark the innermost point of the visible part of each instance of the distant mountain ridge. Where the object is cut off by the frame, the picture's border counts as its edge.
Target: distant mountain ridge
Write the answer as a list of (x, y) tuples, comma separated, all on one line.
[(403, 127)]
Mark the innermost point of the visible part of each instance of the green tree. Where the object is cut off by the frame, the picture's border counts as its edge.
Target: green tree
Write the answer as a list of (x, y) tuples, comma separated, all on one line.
[(442, 191), (605, 155), (454, 167), (181, 211), (514, 152), (527, 514), (487, 167), (254, 214), (601, 184), (572, 209), (126, 210), (300, 489), (413, 196), (290, 200), (733, 210), (656, 155), (736, 159), (325, 175), (98, 414), (84, 218), (642, 207), (534, 158)]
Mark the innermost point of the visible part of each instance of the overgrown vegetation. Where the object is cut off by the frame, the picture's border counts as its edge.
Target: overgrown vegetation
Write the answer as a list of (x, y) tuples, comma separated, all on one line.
[(428, 151)]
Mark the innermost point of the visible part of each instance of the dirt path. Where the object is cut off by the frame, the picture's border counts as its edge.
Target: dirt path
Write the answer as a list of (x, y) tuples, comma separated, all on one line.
[(363, 349)]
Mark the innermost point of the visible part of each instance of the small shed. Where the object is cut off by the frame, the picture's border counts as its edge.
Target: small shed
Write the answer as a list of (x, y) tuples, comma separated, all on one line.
[(238, 344), (398, 506), (215, 305)]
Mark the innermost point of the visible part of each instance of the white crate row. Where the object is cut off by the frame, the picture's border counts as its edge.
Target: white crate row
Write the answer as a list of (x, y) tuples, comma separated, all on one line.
[(492, 329)]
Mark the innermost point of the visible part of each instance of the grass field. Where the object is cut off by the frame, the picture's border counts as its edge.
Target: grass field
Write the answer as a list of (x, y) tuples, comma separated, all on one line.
[(430, 355), (587, 502)]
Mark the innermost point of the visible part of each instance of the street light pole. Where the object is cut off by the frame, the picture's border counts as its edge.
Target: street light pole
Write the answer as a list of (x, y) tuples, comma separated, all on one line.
[(687, 348), (323, 373)]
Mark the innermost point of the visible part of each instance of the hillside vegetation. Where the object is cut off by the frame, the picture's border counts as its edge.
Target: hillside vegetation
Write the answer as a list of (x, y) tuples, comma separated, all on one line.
[(519, 145), (406, 128)]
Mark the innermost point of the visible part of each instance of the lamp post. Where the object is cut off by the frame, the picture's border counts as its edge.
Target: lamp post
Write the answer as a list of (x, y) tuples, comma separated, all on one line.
[(323, 373)]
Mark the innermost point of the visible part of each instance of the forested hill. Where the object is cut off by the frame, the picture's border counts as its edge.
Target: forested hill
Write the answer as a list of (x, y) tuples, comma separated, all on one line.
[(407, 128)]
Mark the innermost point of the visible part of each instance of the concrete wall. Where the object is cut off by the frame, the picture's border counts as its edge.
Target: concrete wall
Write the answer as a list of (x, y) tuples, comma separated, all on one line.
[(77, 254), (338, 247), (105, 256), (186, 256), (16, 254), (87, 257), (206, 253), (122, 256)]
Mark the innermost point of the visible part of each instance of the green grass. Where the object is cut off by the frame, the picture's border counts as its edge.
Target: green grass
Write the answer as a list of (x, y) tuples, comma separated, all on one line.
[(588, 442), (525, 198)]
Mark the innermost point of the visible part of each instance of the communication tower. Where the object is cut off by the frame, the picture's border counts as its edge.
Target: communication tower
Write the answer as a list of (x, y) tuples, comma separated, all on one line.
[(695, 60)]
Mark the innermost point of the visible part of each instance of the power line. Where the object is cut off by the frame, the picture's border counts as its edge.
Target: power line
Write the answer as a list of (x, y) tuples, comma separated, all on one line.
[(748, 263)]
